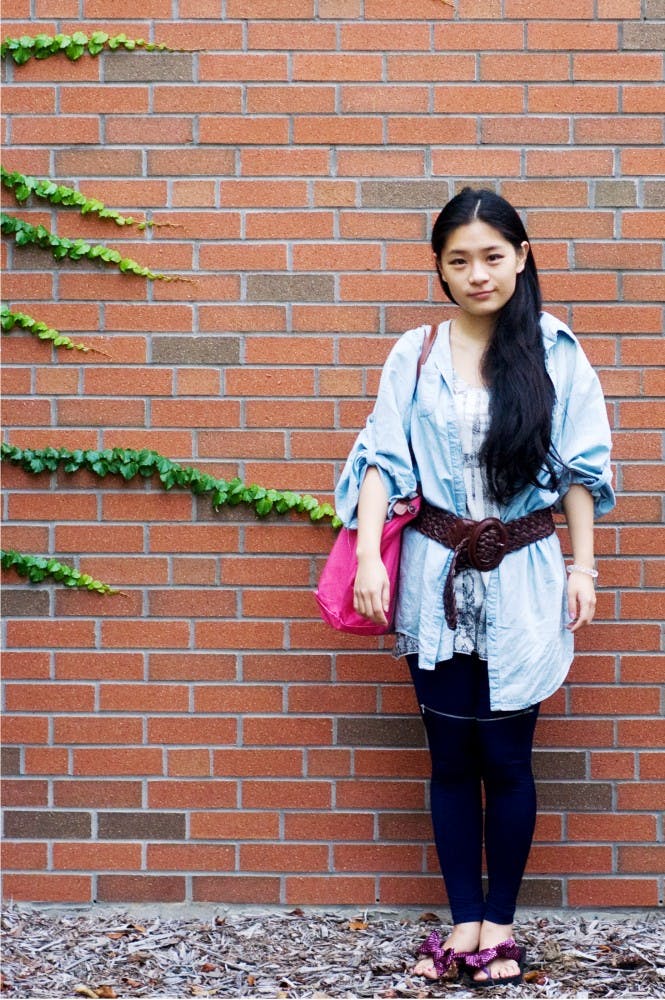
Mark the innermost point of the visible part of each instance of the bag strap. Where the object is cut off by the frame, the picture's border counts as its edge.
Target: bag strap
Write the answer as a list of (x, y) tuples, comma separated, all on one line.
[(428, 344)]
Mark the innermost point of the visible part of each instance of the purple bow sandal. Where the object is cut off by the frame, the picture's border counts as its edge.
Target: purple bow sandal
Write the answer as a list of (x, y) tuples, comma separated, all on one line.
[(481, 960), (443, 958)]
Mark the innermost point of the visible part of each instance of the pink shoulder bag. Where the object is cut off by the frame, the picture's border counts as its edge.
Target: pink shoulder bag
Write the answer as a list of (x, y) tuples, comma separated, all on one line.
[(334, 593)]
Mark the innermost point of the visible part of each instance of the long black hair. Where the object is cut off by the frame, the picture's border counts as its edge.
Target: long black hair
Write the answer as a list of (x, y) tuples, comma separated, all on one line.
[(518, 446)]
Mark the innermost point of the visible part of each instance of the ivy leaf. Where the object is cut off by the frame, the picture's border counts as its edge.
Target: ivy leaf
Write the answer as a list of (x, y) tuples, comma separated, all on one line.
[(128, 470), (263, 507)]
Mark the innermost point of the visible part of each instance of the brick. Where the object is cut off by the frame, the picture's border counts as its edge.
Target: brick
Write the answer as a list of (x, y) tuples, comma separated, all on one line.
[(17, 603), (323, 890), (286, 666), (473, 163), (191, 731), (612, 828), (576, 99), (189, 763), (190, 857), (47, 825), (603, 892), (232, 130), (280, 194), (11, 760), (652, 765), (284, 858), (23, 792), (639, 733), (246, 762), (644, 36), (615, 193), (384, 794), (524, 66), (198, 666), (336, 67), (141, 888), (280, 794), (569, 858), (430, 68), (97, 730), (238, 698), (643, 99), (613, 701), (61, 130), (607, 764), (289, 288), (359, 98), (642, 669), (235, 826), (641, 795), (280, 35), (95, 794), (49, 888), (235, 889), (54, 697), (190, 794), (21, 729), (28, 633), (141, 826), (96, 857), (328, 827), (377, 858), (534, 131), (555, 796), (192, 603), (617, 66), (332, 130), (190, 162), (123, 761), (149, 67), (625, 130), (23, 856)]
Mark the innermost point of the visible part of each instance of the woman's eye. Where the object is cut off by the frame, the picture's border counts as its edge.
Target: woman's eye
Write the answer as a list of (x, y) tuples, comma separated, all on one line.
[(494, 257)]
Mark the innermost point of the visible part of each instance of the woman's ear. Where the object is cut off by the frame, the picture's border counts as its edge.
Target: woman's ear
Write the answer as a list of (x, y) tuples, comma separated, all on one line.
[(522, 255)]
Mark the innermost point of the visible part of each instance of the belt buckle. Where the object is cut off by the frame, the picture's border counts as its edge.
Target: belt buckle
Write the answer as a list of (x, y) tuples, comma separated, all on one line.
[(488, 541)]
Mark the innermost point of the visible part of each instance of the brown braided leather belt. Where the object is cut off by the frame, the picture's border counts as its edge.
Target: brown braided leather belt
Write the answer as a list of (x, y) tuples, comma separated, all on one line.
[(478, 544)]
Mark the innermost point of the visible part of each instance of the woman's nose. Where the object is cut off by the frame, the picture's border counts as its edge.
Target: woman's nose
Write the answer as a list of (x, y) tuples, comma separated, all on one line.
[(478, 272)]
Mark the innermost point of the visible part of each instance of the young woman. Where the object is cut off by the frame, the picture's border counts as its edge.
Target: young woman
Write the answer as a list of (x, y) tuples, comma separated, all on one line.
[(505, 424)]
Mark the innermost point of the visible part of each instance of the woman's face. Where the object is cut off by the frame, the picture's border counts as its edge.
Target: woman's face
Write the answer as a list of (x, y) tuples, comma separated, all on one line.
[(480, 267)]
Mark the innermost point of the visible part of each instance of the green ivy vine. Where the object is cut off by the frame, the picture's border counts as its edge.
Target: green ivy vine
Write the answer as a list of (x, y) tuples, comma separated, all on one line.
[(37, 568), (9, 319), (128, 463), (60, 246), (73, 46), (58, 194)]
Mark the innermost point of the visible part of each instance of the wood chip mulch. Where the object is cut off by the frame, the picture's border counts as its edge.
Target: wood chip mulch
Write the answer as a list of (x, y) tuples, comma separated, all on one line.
[(310, 954)]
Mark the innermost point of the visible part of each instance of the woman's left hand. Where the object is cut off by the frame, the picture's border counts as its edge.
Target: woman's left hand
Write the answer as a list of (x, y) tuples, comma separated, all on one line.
[(581, 600)]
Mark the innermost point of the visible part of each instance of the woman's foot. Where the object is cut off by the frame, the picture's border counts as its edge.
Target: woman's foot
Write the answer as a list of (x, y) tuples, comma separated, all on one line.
[(463, 937), (500, 968)]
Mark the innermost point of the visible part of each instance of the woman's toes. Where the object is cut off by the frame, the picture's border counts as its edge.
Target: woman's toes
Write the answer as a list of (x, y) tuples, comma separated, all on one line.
[(425, 968), (498, 970)]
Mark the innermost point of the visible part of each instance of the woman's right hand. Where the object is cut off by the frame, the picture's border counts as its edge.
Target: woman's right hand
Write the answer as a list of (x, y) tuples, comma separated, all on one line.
[(371, 591)]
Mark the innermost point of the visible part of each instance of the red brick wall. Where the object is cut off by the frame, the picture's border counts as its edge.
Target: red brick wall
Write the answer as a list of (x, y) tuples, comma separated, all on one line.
[(205, 737)]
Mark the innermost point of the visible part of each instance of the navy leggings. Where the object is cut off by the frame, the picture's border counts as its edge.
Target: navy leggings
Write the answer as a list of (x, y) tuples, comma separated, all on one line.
[(471, 747)]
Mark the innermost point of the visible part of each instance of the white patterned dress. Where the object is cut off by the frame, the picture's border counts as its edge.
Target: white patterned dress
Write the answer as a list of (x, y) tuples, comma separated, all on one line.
[(472, 412)]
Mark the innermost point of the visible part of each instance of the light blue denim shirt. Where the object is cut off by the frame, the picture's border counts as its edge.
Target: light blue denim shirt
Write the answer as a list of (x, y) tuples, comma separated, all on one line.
[(529, 648)]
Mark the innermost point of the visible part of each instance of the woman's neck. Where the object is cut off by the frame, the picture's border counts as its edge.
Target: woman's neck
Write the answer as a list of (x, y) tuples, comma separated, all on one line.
[(472, 330)]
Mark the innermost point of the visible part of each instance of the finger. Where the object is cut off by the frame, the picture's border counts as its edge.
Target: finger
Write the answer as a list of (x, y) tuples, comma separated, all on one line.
[(385, 596), (587, 607)]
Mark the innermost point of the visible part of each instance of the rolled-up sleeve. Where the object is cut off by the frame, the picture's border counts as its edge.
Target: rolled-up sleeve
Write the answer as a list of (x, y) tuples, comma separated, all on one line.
[(384, 442), (585, 443)]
